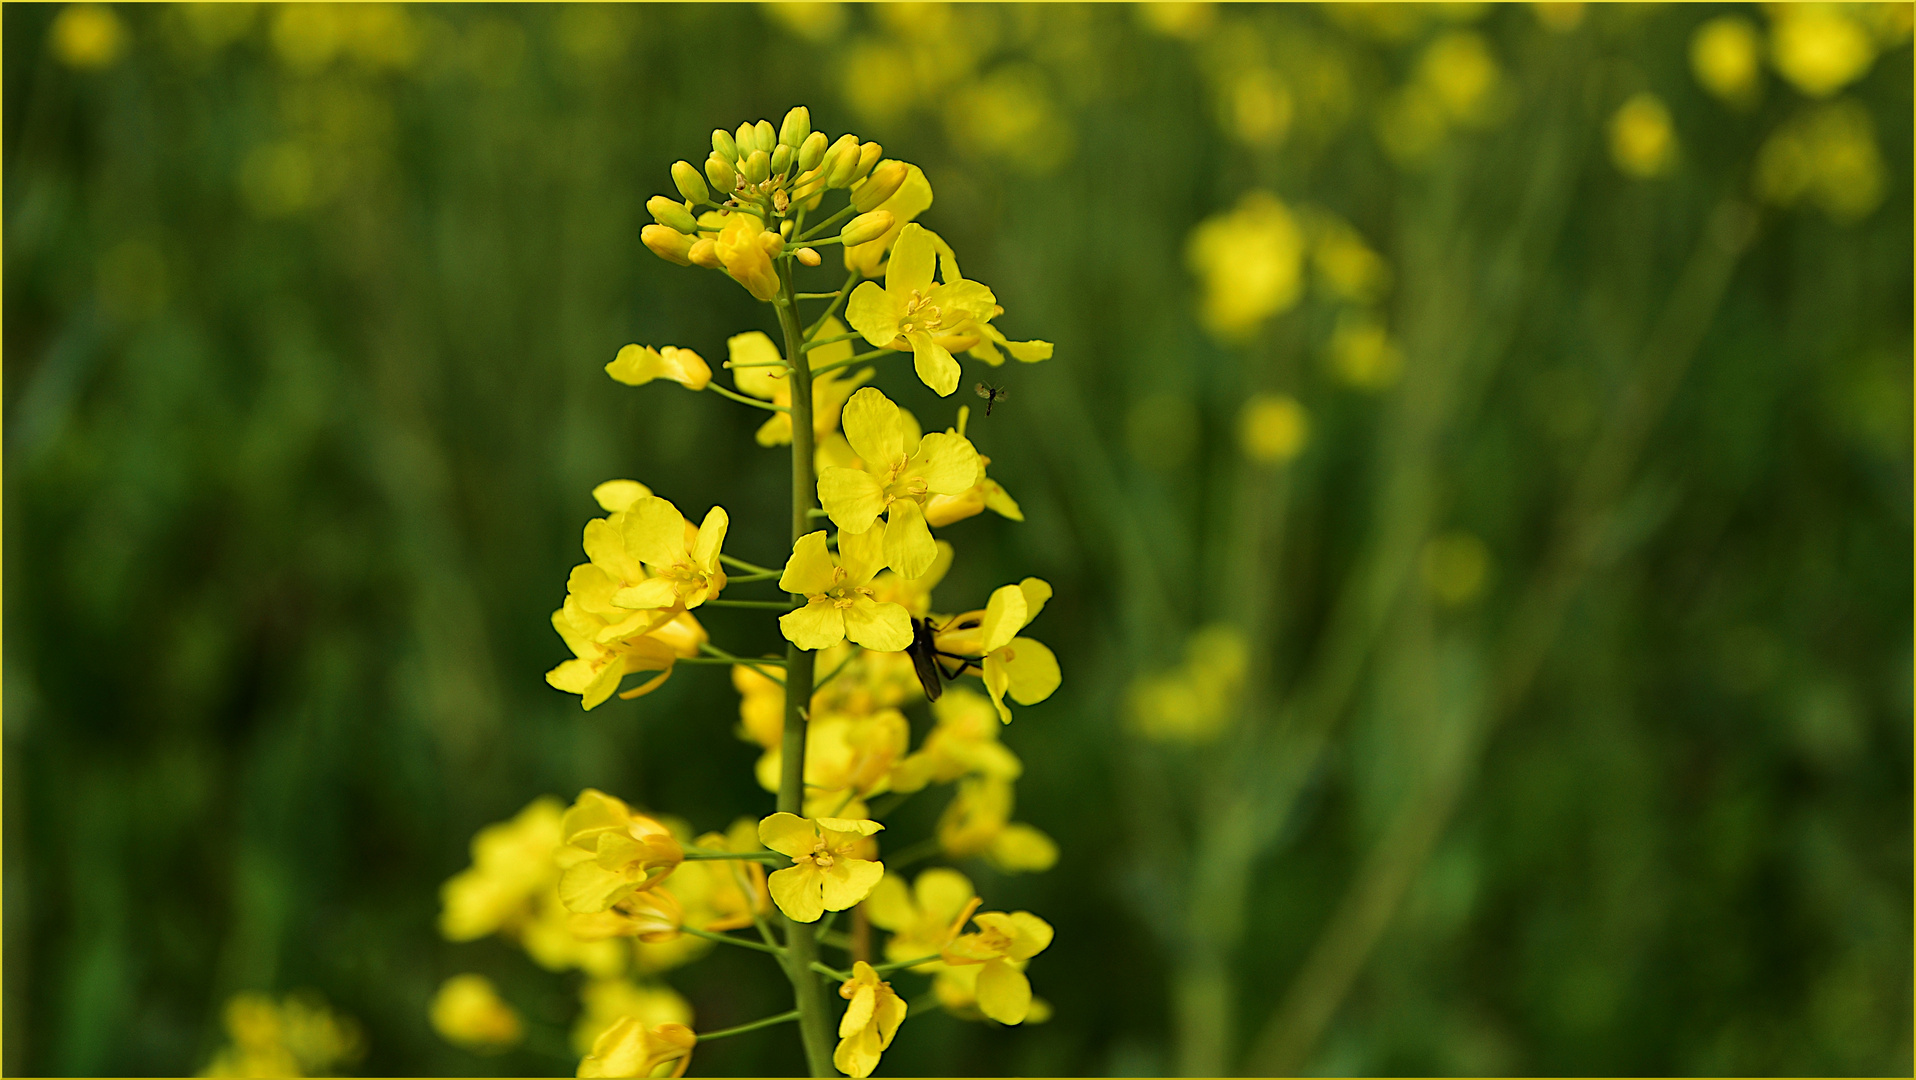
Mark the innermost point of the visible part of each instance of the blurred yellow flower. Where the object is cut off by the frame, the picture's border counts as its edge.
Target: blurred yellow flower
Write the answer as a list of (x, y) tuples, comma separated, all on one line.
[(1642, 138), (922, 917), (838, 597), (1248, 264), (1001, 943), (1726, 55), (1272, 428), (1818, 47), (607, 1001), (1362, 353), (87, 36), (827, 873), (754, 359), (1257, 107), (869, 1022), (630, 1048), (912, 312), (608, 852), (977, 821), (897, 474), (1463, 75), (1010, 115), (1560, 16), (1187, 19), (963, 742), (1828, 154), (511, 864), (1455, 567), (1195, 701), (1345, 263), (297, 1036), (637, 365), (467, 1011)]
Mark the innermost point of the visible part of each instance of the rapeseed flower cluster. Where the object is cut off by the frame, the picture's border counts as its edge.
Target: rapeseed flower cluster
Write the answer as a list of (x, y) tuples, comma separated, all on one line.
[(625, 895)]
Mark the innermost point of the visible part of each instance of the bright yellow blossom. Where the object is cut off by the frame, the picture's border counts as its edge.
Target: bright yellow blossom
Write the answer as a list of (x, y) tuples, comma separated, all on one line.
[(1818, 47), (964, 742), (467, 1011), (895, 478), (924, 917), (744, 247), (610, 852), (1249, 262), (942, 510), (827, 874), (549, 938), (298, 1036), (637, 365), (910, 311), (977, 821), (630, 1048), (912, 594), (839, 604), (1003, 941), (606, 1001), (754, 360), (652, 915), (869, 1023), (678, 576), (511, 864), (1020, 666), (1725, 55)]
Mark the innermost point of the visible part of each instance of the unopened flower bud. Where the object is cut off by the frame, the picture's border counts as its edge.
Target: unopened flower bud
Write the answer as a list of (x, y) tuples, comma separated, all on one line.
[(720, 172), (671, 214), (809, 256), (882, 184), (723, 144), (812, 151), (757, 167), (747, 139), (782, 158), (785, 228), (840, 162), (765, 136), (796, 128), (704, 252), (690, 183), (771, 242), (668, 243), (867, 227), (868, 155)]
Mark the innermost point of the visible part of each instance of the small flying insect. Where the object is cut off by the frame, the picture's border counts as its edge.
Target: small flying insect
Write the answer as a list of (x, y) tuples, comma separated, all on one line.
[(992, 395), (929, 662)]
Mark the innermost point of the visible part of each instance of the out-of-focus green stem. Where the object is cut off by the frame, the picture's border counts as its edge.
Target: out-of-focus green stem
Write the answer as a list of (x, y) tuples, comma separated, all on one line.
[(800, 944)]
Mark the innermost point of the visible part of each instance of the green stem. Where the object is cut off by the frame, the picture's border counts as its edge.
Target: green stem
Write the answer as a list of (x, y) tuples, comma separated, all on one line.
[(695, 854), (748, 662), (923, 849), (763, 575), (889, 803), (775, 605), (830, 972), (842, 665), (743, 565), (897, 964), (743, 400), (831, 309), (806, 237), (816, 296), (814, 1022), (819, 343), (859, 359), (730, 940), (708, 1036)]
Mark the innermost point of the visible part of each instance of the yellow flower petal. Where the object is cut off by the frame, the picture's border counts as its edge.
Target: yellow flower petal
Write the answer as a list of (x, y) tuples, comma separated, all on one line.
[(705, 552), (751, 354), (933, 363), (862, 554), (848, 881), (852, 497), (798, 892), (873, 313), (820, 624), (912, 259), (809, 569), (787, 834), (1004, 994), (652, 593), (948, 463), (943, 892), (874, 429), (616, 495), (655, 532), (1005, 615), (969, 298), (889, 907), (1031, 670), (909, 548), (1030, 935), (878, 627), (589, 887)]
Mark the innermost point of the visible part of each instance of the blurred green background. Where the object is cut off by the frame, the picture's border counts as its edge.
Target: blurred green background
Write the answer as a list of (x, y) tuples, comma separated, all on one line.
[(1572, 733)]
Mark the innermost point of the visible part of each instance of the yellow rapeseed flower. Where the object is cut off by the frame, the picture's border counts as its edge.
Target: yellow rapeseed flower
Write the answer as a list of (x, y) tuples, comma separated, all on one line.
[(839, 604), (753, 360), (1248, 263), (88, 36), (637, 365), (467, 1011), (1362, 352), (630, 1048), (609, 852), (964, 742), (678, 575), (1195, 701), (607, 1001), (1002, 942), (297, 1036), (977, 821), (923, 917), (744, 247), (828, 874), (1829, 154), (1725, 55), (912, 312), (895, 478), (912, 198), (1642, 138), (869, 1023), (1818, 47), (942, 510), (1273, 428), (511, 865), (1019, 666)]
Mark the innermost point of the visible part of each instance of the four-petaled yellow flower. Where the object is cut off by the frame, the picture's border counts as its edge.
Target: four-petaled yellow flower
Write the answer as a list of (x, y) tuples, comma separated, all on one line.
[(838, 595), (912, 198), (756, 370), (1020, 666), (637, 365), (869, 1022), (828, 874), (609, 852), (1002, 945), (895, 479), (678, 574), (629, 1048), (911, 312)]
